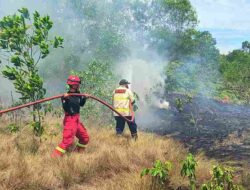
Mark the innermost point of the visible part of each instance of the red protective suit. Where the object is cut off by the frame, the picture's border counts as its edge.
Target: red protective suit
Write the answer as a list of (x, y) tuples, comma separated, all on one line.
[(72, 127)]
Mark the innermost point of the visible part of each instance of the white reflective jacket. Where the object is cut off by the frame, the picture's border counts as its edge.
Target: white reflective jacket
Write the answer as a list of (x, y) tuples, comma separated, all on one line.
[(122, 101)]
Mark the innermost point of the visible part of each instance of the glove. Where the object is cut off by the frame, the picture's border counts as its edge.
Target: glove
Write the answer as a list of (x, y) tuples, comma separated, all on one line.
[(66, 95), (135, 107)]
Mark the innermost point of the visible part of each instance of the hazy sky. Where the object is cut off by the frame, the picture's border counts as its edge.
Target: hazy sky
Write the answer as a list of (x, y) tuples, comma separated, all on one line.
[(227, 20)]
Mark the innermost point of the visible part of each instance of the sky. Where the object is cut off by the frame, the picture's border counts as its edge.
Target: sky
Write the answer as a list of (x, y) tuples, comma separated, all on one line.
[(227, 20)]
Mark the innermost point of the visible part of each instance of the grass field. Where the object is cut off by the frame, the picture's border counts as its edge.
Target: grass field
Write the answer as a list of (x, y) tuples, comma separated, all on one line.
[(109, 162)]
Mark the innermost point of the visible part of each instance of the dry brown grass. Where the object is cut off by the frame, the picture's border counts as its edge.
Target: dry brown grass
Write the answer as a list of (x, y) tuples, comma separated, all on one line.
[(108, 163)]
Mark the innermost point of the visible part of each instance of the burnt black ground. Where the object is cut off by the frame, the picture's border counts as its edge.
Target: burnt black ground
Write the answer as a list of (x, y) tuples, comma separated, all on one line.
[(221, 130)]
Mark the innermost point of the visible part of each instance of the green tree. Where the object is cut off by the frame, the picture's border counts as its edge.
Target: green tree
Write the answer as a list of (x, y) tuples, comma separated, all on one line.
[(246, 46), (110, 27), (169, 27), (25, 41), (235, 69), (104, 28), (98, 80), (172, 22), (197, 70), (112, 30)]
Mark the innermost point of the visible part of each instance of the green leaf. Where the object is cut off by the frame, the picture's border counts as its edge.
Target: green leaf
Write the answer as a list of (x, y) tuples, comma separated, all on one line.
[(36, 15), (58, 41), (154, 172), (9, 73), (16, 60), (24, 12), (205, 187), (13, 128), (38, 128), (144, 172)]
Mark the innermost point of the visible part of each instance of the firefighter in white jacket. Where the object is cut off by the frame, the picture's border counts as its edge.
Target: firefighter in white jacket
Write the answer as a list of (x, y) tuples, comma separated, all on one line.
[(123, 101)]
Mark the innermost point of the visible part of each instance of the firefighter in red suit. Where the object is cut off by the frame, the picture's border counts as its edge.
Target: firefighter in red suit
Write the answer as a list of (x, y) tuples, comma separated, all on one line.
[(72, 125)]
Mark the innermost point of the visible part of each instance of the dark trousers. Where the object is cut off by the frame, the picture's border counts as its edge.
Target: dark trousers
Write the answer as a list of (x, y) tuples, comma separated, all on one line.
[(120, 124)]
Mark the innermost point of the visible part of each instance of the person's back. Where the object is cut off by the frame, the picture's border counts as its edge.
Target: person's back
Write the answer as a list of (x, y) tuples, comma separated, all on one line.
[(123, 100)]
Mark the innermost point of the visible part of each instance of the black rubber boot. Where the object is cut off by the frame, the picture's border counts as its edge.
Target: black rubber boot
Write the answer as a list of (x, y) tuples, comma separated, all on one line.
[(134, 136)]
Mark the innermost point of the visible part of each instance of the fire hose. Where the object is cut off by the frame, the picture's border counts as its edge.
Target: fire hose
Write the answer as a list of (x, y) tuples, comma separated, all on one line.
[(71, 94)]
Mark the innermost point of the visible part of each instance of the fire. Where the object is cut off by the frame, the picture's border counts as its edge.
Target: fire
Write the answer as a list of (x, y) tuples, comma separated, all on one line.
[(163, 104)]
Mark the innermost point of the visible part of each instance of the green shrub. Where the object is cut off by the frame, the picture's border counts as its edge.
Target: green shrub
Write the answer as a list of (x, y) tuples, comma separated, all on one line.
[(222, 179), (188, 170), (159, 173)]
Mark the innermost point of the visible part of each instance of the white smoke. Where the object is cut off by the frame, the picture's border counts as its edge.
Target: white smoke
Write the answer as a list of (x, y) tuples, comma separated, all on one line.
[(146, 77)]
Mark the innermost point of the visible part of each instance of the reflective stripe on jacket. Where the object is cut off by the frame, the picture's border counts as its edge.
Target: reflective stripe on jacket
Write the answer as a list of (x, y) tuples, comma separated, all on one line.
[(122, 100)]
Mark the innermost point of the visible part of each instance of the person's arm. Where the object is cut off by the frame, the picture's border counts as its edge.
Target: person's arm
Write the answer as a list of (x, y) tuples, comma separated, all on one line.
[(133, 100), (131, 96), (64, 100), (82, 100)]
